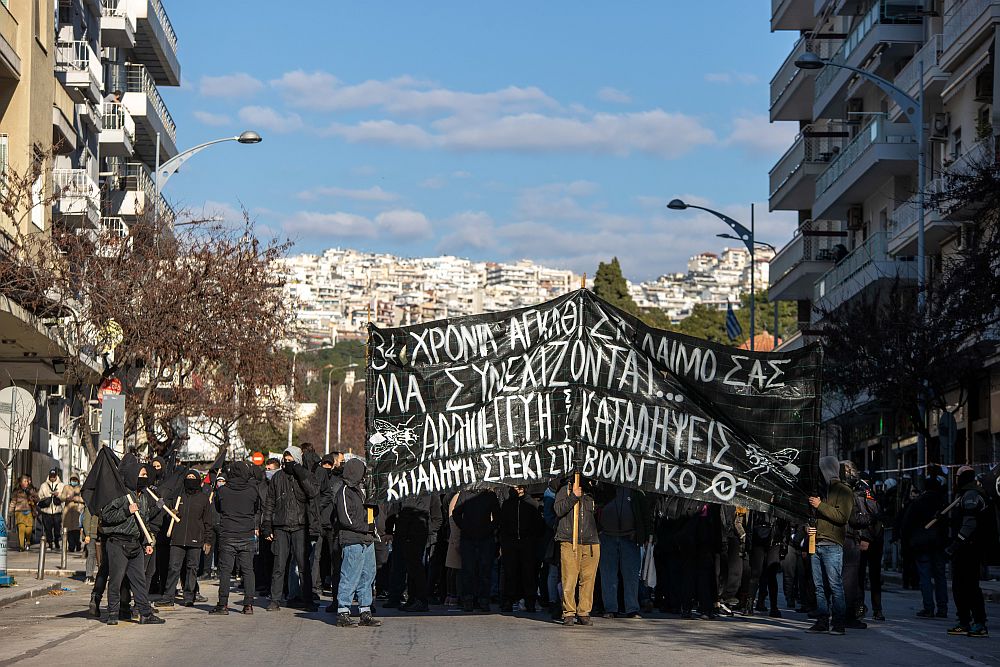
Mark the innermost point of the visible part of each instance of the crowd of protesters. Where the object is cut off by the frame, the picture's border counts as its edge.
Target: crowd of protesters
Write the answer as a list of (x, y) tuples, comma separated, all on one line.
[(301, 526)]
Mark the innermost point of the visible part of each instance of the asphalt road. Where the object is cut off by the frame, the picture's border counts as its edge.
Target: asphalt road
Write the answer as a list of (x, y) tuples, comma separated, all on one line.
[(55, 630)]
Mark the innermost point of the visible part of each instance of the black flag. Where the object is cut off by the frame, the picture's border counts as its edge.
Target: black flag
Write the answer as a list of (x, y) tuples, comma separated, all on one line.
[(104, 483)]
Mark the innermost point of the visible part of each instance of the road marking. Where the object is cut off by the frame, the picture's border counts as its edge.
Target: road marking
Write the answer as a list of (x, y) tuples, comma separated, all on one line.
[(935, 649)]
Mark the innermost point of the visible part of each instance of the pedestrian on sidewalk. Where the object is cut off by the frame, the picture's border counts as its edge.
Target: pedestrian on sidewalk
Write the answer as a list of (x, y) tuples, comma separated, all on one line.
[(969, 527), (73, 507), (832, 513), (24, 507), (356, 538), (50, 507)]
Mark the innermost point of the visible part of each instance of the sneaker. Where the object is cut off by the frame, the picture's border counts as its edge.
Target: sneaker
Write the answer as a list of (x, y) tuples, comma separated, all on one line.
[(568, 621), (274, 606), (959, 630), (838, 630), (925, 613), (416, 607), (151, 619), (878, 615), (247, 610), (978, 630), (774, 613), (344, 620), (188, 603), (219, 610), (584, 620), (610, 615), (112, 620), (369, 621), (855, 624), (200, 598), (821, 625), (941, 613), (633, 615)]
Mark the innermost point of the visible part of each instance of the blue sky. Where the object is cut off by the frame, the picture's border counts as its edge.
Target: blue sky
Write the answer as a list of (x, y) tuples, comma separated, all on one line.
[(555, 131)]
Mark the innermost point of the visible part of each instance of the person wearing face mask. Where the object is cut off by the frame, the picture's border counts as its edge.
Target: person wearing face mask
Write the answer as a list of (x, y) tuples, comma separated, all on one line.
[(189, 536), (24, 507), (355, 520), (50, 506), (290, 501), (326, 563), (123, 540), (73, 504), (969, 529), (857, 540), (238, 508), (832, 514)]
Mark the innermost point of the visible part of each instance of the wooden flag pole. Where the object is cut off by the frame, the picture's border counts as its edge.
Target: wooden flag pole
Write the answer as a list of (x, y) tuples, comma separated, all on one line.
[(941, 514), (165, 508), (583, 282), (142, 524), (576, 513), (177, 506)]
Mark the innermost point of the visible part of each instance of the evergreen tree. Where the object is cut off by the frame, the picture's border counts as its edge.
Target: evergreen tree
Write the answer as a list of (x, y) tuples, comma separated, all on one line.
[(610, 285)]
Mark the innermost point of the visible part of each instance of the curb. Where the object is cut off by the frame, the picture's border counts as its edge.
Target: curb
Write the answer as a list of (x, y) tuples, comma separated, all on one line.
[(31, 572), (28, 593)]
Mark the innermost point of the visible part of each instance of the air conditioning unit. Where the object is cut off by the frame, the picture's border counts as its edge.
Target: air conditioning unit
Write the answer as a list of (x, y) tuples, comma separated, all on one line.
[(854, 221), (94, 419), (939, 126), (984, 86)]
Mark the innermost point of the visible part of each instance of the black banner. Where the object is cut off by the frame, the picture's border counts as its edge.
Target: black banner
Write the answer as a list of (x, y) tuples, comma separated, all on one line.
[(576, 385)]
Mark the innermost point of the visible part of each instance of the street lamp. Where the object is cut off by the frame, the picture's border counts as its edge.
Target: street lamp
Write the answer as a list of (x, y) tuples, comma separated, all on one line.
[(340, 395), (747, 238), (291, 392), (913, 108), (736, 238), (169, 168)]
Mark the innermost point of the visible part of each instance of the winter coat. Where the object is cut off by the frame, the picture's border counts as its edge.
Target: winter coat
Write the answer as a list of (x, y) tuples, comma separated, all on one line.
[(914, 534), (417, 516), (118, 524), (292, 501), (329, 487), (238, 507), (834, 512), (520, 520), (351, 509), (638, 506), (195, 527), (73, 507), (476, 514), (24, 500), (566, 504), (54, 491)]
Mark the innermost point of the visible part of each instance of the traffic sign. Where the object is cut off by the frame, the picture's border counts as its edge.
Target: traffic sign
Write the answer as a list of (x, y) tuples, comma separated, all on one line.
[(110, 387), (257, 458)]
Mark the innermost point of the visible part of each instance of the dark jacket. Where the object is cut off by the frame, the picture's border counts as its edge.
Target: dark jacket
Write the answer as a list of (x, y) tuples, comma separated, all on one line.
[(834, 512), (195, 527), (913, 531), (329, 488), (237, 504), (350, 508), (476, 514), (118, 524), (291, 502), (521, 519), (417, 516), (967, 515), (565, 505), (640, 517)]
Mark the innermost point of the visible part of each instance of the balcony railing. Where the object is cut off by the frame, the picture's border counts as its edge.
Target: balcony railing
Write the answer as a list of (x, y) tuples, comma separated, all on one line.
[(78, 56), (117, 118), (958, 20), (138, 80), (804, 247), (76, 187), (114, 7), (783, 80), (877, 131), (168, 28), (908, 78), (882, 12), (114, 226), (908, 212), (811, 145), (872, 251), (135, 177)]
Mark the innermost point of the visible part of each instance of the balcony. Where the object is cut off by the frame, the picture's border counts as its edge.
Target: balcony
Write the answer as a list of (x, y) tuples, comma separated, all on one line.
[(117, 24), (156, 42), (793, 178), (143, 102), (132, 191), (866, 265), (63, 132), (908, 79), (10, 62), (118, 136), (903, 225), (880, 150), (77, 197), (892, 28), (114, 226), (79, 70), (791, 15), (802, 260), (966, 26), (792, 90)]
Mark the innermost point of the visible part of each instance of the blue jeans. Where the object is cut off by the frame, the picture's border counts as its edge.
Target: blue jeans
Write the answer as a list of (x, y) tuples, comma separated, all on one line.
[(829, 560), (357, 574), (620, 554), (933, 583)]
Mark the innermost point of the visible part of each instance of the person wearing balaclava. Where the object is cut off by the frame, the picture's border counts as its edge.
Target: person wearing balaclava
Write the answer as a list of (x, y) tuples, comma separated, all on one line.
[(285, 524), (969, 526), (832, 514), (238, 508), (193, 533), (123, 541), (326, 561), (356, 537), (857, 540)]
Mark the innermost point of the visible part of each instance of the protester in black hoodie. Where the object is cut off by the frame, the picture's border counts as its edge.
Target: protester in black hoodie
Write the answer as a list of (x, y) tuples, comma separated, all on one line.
[(476, 515), (356, 537), (521, 527), (189, 536), (237, 504), (927, 546), (416, 521)]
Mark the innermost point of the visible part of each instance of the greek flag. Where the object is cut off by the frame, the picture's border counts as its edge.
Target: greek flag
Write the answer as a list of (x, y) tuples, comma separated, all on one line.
[(733, 328)]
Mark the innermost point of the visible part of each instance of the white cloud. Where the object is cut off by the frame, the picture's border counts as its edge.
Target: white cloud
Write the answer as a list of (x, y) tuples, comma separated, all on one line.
[(759, 136), (729, 78), (230, 85), (374, 193), (383, 132), (213, 119), (404, 223), (613, 95), (434, 183), (267, 118), (474, 230), (311, 223), (461, 173)]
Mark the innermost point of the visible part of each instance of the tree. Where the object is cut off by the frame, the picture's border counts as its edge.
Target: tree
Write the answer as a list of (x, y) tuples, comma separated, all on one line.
[(710, 323), (610, 285)]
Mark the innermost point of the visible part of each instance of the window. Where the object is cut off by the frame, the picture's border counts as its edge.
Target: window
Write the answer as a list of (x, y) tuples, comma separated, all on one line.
[(956, 144), (37, 210)]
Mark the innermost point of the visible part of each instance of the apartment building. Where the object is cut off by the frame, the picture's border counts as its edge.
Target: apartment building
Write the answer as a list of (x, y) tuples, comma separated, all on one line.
[(851, 175), (79, 95)]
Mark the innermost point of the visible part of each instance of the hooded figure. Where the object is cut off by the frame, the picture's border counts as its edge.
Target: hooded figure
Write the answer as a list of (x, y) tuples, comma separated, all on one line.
[(238, 506), (356, 537), (190, 535), (832, 514), (972, 530), (295, 453)]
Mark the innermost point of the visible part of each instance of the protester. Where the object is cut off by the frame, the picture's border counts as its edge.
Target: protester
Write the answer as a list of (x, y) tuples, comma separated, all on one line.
[(416, 521), (856, 542), (832, 514), (286, 523), (24, 507), (928, 545), (871, 556), (966, 551), (453, 562), (188, 539), (476, 515), (356, 538), (624, 527), (50, 508), (326, 565), (731, 566), (238, 507), (580, 552), (520, 528)]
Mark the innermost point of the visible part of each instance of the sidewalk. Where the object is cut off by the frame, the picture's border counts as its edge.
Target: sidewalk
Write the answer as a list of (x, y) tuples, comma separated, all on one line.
[(28, 587), (24, 564), (991, 589)]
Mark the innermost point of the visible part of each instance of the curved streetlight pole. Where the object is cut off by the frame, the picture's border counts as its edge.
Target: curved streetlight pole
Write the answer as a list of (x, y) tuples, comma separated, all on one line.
[(329, 395), (742, 234), (913, 108)]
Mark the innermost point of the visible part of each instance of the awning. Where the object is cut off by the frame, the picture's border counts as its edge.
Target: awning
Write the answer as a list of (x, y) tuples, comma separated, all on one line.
[(978, 64)]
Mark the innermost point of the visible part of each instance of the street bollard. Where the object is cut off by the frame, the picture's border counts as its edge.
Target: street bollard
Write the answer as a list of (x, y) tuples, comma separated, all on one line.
[(41, 560), (62, 555)]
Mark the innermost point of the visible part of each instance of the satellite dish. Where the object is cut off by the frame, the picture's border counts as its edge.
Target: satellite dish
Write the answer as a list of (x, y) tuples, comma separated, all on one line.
[(17, 412)]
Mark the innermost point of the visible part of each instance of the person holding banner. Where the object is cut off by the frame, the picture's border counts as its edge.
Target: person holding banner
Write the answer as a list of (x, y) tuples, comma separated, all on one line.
[(122, 526), (579, 550)]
